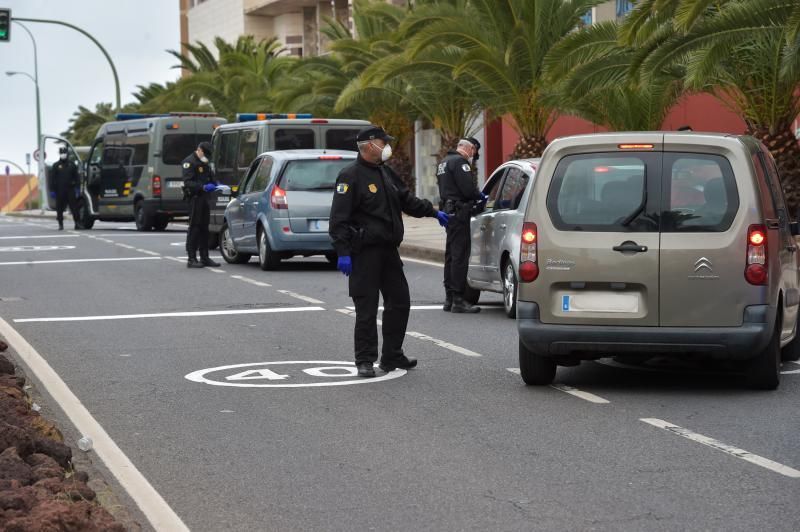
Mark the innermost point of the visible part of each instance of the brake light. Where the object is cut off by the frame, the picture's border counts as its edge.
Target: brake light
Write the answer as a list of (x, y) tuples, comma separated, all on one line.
[(602, 169), (330, 157), (319, 121), (756, 271), (528, 253), (157, 186), (636, 146), (278, 198)]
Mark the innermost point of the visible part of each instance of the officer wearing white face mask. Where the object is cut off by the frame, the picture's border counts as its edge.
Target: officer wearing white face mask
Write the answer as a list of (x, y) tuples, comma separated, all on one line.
[(66, 187), (366, 226), (198, 185)]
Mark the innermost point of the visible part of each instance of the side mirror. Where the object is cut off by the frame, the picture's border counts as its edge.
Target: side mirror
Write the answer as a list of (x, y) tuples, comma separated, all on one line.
[(794, 227)]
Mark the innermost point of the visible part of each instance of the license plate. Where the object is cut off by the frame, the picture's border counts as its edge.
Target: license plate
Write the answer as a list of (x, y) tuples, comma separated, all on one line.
[(174, 184), (600, 302), (318, 225)]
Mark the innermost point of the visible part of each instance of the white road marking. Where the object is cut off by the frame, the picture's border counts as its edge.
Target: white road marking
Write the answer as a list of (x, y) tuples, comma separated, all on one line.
[(586, 396), (724, 447), (107, 241), (513, 370), (302, 297), (65, 261), (126, 246), (147, 252), (215, 270), (176, 259), (154, 507), (420, 261), (17, 249), (37, 236), (250, 281), (413, 307), (170, 315)]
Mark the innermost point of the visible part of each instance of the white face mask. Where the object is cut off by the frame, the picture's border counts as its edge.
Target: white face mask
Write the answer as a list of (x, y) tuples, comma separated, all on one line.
[(204, 159), (386, 152), (63, 156)]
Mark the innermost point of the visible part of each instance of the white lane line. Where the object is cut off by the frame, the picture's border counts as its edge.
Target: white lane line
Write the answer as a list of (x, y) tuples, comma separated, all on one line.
[(515, 371), (413, 307), (170, 315), (215, 270), (66, 261), (147, 252), (126, 246), (420, 261), (149, 501), (301, 297), (176, 259), (724, 447), (250, 281), (424, 337), (107, 241), (586, 396), (37, 236)]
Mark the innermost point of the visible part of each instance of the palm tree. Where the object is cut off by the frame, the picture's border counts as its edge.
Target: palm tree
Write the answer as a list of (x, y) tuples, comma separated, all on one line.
[(503, 45), (744, 52), (84, 123)]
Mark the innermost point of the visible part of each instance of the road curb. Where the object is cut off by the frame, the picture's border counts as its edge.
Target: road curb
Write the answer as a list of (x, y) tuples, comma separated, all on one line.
[(31, 215), (422, 252)]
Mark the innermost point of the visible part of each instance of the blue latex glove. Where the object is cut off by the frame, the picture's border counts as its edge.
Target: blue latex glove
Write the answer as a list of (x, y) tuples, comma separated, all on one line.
[(345, 265), (443, 218), (53, 194), (77, 193), (209, 187), (484, 198)]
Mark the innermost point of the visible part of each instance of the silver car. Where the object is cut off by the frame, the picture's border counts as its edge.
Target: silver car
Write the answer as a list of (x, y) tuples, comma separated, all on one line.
[(496, 232), (282, 207)]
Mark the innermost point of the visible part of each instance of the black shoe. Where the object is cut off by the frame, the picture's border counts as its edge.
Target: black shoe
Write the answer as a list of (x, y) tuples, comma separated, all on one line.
[(208, 262), (366, 370), (60, 227), (192, 263), (462, 307), (403, 363), (448, 303)]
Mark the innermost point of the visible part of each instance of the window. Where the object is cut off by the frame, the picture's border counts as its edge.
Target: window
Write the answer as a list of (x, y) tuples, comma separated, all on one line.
[(701, 193), (248, 147), (773, 181), (312, 174), (601, 192), (140, 148), (294, 139), (117, 155), (177, 147), (341, 139), (623, 7), (258, 183), (492, 188), (513, 188), (586, 20), (227, 151)]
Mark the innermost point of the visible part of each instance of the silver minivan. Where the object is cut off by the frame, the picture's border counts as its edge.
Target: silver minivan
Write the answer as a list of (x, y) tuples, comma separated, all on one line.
[(495, 233), (669, 243)]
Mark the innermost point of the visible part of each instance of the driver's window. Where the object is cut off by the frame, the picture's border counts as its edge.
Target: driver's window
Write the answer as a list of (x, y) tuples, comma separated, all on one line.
[(250, 178), (262, 175), (492, 188), (97, 153), (513, 188)]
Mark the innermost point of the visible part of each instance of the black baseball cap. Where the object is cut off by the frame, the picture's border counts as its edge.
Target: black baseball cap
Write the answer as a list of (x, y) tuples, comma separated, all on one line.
[(206, 148), (373, 133), (474, 142)]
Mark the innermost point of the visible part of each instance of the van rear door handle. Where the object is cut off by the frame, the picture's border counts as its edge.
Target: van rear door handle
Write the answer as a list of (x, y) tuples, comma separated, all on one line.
[(630, 247)]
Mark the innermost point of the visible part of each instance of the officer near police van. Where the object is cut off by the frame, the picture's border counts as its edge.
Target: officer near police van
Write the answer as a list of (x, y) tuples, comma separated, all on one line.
[(66, 187), (458, 195), (198, 184), (366, 227)]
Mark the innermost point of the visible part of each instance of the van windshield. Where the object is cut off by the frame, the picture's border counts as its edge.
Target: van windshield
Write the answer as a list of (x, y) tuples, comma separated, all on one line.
[(179, 146), (312, 174)]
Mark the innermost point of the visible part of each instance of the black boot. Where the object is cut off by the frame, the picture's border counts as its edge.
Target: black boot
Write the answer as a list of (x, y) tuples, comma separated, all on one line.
[(462, 307), (448, 302), (366, 370), (403, 363), (192, 263), (205, 261), (60, 226)]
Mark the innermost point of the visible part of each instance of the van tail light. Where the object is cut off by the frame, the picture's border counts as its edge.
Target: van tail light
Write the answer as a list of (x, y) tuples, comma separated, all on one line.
[(528, 253), (278, 198), (156, 186), (756, 271)]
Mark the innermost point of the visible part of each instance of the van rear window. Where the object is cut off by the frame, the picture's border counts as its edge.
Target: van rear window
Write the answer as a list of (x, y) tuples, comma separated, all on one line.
[(179, 146), (312, 174), (294, 139), (341, 139)]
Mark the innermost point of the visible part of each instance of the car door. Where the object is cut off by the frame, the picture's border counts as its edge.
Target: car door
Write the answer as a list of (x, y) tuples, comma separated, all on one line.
[(480, 225), (234, 213), (254, 201), (503, 220)]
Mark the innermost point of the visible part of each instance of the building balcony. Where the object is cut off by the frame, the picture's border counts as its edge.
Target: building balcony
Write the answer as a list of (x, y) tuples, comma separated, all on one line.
[(273, 8)]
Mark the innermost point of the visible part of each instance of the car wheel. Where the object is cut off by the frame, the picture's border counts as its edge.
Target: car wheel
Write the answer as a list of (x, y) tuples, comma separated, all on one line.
[(266, 257), (85, 220), (161, 223), (535, 369), (228, 249), (471, 295), (143, 222), (764, 371), (510, 290), (213, 240), (791, 352)]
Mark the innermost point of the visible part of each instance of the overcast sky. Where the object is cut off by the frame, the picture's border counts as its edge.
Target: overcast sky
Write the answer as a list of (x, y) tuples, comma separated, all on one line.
[(72, 70)]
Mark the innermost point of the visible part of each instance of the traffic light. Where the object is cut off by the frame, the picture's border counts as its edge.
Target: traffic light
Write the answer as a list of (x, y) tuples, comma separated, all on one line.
[(5, 25)]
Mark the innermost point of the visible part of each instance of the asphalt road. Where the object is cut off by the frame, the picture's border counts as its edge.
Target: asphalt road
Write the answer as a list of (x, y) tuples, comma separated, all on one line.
[(458, 444)]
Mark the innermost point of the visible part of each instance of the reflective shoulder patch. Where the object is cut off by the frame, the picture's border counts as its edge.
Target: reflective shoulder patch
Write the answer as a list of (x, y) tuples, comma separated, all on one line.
[(342, 188), (466, 167), (373, 188), (187, 165)]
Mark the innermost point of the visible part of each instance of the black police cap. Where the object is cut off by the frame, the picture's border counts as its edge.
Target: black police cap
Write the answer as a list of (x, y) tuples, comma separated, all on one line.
[(373, 133), (206, 148), (474, 142), (62, 149)]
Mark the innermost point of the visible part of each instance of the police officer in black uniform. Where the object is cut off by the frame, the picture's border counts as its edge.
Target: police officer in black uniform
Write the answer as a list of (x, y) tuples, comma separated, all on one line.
[(66, 187), (198, 184), (458, 194), (366, 227)]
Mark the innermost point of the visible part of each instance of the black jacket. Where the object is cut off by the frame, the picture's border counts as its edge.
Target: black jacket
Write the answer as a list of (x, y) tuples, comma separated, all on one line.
[(65, 175), (454, 175), (367, 207), (197, 174)]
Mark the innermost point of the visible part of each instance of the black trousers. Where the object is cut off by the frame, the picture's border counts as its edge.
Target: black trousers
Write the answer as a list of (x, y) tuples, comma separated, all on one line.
[(66, 198), (197, 239), (456, 254), (378, 269)]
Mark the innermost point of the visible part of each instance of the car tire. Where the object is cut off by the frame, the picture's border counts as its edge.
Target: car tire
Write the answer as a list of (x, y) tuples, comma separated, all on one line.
[(764, 371), (228, 250), (213, 240), (510, 290), (161, 223), (791, 351), (140, 216), (535, 369), (266, 257), (471, 295), (85, 220)]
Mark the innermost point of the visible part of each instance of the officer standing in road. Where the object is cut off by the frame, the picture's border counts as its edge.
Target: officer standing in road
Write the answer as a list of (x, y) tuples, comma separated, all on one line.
[(366, 227), (198, 184), (458, 194), (66, 187)]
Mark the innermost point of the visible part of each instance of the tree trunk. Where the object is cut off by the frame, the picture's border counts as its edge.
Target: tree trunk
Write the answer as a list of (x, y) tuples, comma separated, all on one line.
[(783, 146), (402, 164), (529, 147)]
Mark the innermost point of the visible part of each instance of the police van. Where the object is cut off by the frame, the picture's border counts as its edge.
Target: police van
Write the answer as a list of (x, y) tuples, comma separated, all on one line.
[(133, 169), (237, 144)]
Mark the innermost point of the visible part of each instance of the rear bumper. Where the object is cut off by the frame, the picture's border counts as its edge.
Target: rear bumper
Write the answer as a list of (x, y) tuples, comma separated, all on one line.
[(299, 243), (169, 207), (596, 341)]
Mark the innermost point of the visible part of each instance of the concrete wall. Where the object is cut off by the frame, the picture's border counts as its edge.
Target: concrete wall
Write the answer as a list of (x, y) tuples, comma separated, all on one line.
[(216, 18)]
